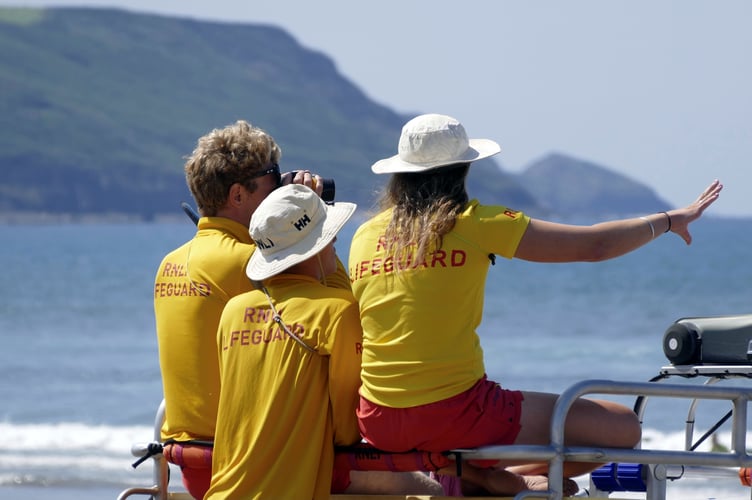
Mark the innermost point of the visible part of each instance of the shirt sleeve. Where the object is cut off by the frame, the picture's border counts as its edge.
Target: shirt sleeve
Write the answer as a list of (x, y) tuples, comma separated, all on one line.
[(496, 229), (344, 375)]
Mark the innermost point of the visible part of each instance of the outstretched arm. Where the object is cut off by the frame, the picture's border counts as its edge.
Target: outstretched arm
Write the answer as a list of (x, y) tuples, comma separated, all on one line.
[(545, 241)]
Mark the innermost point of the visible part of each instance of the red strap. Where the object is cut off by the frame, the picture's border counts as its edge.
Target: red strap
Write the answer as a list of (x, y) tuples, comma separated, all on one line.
[(193, 456), (363, 456)]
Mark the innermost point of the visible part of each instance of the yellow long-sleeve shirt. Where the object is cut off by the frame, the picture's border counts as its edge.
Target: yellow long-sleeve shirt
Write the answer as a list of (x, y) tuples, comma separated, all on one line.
[(282, 408)]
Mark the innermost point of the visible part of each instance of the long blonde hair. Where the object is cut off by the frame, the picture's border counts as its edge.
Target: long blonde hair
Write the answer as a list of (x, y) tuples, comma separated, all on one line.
[(425, 207)]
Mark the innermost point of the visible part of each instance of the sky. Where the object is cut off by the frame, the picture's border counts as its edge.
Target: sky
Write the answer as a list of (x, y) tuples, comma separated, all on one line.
[(657, 90)]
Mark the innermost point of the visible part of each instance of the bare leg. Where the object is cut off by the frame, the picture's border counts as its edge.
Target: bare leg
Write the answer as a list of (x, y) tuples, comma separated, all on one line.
[(392, 483), (589, 423), (500, 482)]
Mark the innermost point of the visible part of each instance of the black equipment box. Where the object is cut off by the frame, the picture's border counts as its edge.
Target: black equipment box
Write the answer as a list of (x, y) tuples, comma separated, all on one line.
[(709, 340)]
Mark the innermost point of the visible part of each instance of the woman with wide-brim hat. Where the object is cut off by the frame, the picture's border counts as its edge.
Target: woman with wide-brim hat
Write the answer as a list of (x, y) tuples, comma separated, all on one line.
[(418, 269)]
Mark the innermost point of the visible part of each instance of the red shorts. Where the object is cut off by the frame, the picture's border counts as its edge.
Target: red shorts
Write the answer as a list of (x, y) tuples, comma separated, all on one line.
[(483, 415), (195, 461), (196, 481)]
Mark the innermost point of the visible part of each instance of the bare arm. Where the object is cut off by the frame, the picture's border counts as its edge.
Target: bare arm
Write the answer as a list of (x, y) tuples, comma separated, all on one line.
[(552, 242)]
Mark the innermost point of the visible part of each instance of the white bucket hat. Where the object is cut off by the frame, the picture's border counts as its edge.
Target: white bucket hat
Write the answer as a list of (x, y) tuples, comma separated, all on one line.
[(291, 225), (431, 141)]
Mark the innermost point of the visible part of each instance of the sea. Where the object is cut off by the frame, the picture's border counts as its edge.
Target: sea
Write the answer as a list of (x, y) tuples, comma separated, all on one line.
[(79, 374)]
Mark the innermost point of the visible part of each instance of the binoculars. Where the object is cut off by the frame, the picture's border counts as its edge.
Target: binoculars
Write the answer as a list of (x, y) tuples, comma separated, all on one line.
[(328, 190)]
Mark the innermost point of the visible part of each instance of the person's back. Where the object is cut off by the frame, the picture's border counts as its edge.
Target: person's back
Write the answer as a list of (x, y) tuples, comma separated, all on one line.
[(275, 410), (411, 313), (289, 356), (192, 286)]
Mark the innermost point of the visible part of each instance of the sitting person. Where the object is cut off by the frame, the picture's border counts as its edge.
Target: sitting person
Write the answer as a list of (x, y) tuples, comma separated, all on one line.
[(418, 270), (289, 361), (231, 170)]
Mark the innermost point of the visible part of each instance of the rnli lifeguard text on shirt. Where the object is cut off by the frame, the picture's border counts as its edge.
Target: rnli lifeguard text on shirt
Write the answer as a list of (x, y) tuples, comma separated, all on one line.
[(269, 331), (452, 257), (181, 287)]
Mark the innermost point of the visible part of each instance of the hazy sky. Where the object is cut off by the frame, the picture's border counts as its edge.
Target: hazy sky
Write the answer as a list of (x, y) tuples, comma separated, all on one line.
[(660, 91)]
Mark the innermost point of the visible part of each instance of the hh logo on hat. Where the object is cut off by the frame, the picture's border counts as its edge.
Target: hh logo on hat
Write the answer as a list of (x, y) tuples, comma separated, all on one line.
[(302, 222)]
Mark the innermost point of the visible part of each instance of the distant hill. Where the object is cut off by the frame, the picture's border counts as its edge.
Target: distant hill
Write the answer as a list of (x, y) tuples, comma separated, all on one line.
[(567, 186), (101, 106)]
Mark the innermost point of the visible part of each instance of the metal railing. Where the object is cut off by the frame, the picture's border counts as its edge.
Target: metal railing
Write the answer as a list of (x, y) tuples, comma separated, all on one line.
[(161, 469), (556, 453)]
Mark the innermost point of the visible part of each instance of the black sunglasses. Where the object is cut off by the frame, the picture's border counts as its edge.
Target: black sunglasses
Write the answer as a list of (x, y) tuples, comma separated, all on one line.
[(274, 169)]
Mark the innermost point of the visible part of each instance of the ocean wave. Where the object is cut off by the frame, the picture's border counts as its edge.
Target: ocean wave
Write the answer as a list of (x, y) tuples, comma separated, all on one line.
[(71, 437), (80, 439), (78, 446), (71, 454), (26, 479), (76, 455)]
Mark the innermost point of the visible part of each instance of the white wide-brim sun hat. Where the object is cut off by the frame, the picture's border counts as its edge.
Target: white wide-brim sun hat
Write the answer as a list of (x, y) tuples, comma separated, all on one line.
[(431, 141), (291, 225)]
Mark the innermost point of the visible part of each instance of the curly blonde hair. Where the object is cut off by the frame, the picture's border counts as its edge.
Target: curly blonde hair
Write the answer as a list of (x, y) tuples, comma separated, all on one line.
[(224, 157), (425, 207)]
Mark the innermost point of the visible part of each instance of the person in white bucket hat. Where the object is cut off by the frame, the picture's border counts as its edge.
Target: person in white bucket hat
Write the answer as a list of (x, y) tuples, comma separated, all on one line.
[(229, 172), (291, 226), (289, 357), (418, 270)]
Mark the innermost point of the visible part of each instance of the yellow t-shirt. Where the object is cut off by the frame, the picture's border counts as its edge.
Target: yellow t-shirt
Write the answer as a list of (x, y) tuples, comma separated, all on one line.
[(419, 325), (192, 286), (282, 408)]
